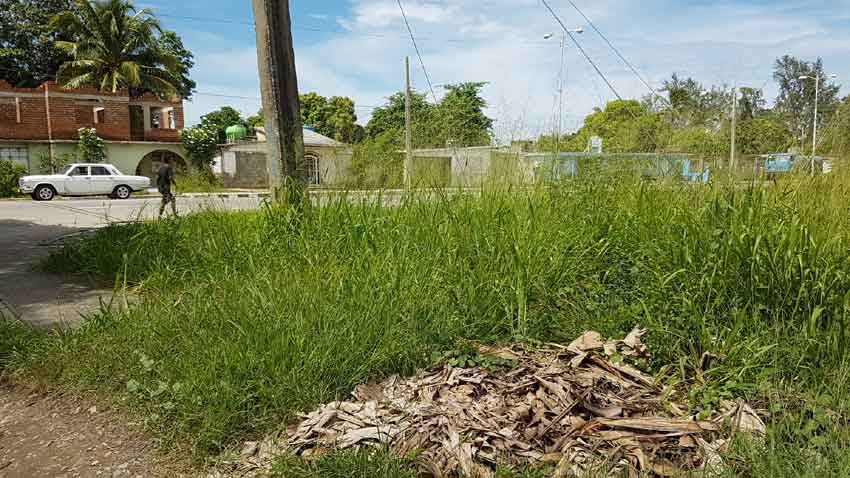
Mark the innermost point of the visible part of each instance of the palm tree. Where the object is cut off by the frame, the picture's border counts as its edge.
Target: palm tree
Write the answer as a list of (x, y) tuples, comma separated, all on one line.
[(115, 47)]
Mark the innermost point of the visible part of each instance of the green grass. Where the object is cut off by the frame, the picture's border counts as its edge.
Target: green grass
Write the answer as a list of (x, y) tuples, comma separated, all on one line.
[(249, 318)]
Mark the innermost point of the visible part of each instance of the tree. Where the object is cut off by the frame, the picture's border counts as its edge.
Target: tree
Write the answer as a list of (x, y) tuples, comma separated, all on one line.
[(28, 52), (218, 121), (333, 117), (90, 147), (461, 113), (796, 98), (751, 103), (200, 143), (389, 119), (115, 46), (169, 43), (763, 135), (258, 120), (624, 125)]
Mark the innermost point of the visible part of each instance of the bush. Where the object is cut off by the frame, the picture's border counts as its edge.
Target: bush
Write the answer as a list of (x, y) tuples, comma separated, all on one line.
[(9, 174), (90, 147)]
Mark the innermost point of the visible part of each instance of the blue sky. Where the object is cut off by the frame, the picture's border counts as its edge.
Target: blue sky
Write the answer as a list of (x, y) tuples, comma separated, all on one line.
[(356, 48)]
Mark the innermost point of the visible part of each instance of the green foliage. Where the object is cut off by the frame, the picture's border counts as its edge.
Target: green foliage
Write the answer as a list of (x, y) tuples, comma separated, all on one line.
[(796, 98), (461, 115), (624, 126), (169, 44), (764, 135), (352, 464), (28, 53), (755, 279), (376, 163), (90, 147), (55, 164), (201, 144), (257, 120), (458, 120), (15, 338), (835, 140), (221, 119), (696, 140), (9, 174), (333, 117), (389, 120), (115, 46)]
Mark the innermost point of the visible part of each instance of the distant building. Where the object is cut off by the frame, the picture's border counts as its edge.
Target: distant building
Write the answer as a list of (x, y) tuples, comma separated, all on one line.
[(140, 132), (242, 163)]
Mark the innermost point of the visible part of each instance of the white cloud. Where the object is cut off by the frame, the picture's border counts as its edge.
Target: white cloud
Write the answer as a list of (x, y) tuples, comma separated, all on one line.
[(501, 41)]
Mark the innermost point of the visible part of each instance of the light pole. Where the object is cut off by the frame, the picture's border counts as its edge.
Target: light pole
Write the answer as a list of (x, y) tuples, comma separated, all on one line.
[(817, 79), (563, 38)]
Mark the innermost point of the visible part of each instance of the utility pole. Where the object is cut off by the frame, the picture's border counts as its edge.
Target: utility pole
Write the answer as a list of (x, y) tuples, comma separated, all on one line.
[(408, 128), (815, 123), (281, 109), (734, 124), (560, 98)]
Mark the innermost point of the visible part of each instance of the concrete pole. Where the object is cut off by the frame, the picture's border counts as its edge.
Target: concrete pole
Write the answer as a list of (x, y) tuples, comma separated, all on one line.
[(734, 125), (281, 109), (560, 98), (815, 123), (408, 128)]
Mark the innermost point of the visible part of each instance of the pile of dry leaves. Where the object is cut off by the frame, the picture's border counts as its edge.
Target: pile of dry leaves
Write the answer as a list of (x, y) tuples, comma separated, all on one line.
[(581, 408)]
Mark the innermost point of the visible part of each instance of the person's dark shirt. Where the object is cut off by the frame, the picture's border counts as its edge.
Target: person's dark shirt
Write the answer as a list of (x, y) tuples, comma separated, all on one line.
[(165, 178)]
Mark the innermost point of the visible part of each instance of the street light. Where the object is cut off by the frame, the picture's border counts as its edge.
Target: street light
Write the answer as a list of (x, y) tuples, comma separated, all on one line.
[(563, 38), (817, 79)]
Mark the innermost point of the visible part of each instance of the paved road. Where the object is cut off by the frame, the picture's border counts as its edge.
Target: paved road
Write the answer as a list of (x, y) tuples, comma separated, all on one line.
[(26, 227)]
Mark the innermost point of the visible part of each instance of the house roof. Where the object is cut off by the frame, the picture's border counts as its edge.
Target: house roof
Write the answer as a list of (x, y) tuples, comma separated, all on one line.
[(311, 138)]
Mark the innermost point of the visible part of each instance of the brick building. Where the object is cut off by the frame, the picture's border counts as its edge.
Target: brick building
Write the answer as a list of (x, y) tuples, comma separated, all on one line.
[(140, 132)]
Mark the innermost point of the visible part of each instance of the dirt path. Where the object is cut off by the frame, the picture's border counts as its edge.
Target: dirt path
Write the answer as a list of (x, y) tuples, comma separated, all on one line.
[(68, 437)]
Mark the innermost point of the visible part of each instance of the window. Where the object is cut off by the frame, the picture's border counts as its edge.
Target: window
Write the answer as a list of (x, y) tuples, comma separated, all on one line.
[(311, 164), (100, 171), (16, 155), (171, 123), (79, 171), (99, 115)]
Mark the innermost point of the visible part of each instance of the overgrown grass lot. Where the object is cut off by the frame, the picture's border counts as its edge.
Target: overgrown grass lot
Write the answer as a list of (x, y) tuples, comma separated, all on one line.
[(249, 318)]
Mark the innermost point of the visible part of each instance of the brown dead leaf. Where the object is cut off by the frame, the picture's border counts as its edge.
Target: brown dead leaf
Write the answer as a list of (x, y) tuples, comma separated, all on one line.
[(591, 340)]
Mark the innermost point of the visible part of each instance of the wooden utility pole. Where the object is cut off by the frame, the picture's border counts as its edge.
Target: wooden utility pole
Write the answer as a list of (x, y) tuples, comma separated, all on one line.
[(408, 129), (281, 110)]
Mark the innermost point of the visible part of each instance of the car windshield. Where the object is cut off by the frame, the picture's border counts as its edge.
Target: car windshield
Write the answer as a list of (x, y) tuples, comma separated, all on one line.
[(68, 170)]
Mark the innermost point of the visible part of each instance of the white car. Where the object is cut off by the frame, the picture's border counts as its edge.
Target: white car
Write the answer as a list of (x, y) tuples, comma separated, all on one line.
[(81, 179)]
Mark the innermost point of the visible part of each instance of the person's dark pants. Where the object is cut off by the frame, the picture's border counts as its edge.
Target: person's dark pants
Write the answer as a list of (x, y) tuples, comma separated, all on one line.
[(168, 197)]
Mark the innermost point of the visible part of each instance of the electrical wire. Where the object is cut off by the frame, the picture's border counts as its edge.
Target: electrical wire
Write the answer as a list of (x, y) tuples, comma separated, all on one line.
[(616, 51), (584, 53), (418, 54)]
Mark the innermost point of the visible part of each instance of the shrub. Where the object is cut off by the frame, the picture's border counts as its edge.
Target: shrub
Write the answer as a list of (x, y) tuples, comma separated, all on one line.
[(9, 174), (90, 147)]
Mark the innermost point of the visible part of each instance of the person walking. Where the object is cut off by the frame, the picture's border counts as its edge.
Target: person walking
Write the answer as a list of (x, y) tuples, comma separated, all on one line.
[(164, 181)]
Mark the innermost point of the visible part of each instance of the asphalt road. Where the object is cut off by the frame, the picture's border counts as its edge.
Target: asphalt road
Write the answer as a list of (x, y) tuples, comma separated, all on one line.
[(27, 228)]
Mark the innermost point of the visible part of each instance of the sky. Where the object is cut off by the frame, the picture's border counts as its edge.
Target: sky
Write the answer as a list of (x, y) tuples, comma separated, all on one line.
[(356, 48)]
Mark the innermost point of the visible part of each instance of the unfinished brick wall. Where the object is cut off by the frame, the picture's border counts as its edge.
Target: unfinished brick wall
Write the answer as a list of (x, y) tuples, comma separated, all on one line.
[(71, 110)]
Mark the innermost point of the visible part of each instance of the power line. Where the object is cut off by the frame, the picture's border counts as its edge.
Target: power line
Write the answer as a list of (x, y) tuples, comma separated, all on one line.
[(416, 47), (615, 50), (584, 53)]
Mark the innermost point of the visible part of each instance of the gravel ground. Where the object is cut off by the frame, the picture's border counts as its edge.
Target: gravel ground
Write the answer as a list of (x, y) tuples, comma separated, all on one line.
[(57, 435)]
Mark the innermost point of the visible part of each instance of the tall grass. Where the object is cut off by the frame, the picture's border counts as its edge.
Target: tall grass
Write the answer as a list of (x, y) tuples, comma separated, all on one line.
[(248, 318)]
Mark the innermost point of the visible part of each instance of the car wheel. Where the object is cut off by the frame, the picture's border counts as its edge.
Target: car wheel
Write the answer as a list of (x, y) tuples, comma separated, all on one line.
[(44, 193), (122, 192)]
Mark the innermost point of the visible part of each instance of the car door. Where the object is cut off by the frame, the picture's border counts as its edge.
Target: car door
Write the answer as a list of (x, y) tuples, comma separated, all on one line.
[(79, 181), (102, 180)]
